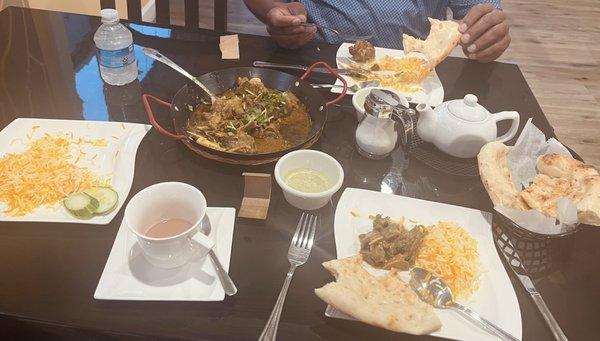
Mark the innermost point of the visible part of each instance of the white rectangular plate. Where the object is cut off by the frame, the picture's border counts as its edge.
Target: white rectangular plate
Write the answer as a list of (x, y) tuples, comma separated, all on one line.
[(128, 276), (433, 93), (495, 300), (116, 160)]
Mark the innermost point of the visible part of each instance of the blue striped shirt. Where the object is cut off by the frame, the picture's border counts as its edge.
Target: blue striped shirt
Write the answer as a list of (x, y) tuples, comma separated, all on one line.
[(386, 20)]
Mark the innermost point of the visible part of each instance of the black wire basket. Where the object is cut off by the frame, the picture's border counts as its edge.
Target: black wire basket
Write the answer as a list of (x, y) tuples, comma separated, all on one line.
[(533, 250)]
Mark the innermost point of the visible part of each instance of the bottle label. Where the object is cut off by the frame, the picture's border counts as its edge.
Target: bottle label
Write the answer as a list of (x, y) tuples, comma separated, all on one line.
[(116, 58)]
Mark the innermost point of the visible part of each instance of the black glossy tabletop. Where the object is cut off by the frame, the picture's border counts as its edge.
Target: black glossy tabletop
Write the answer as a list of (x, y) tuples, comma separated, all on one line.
[(49, 272)]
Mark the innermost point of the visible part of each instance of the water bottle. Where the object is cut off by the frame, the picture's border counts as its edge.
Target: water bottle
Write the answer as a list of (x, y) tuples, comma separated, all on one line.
[(116, 57)]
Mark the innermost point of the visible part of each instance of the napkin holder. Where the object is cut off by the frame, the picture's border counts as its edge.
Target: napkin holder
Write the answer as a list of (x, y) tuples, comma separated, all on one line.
[(257, 196)]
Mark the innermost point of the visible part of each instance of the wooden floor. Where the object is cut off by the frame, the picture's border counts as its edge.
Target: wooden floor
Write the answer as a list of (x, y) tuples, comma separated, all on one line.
[(557, 46)]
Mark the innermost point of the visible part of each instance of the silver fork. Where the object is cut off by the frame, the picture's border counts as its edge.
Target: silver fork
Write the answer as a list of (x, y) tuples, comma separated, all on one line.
[(343, 37), (298, 253)]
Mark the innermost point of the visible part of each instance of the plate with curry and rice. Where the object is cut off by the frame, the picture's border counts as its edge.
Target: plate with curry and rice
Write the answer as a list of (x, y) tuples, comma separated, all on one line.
[(380, 237), (418, 84), (410, 71)]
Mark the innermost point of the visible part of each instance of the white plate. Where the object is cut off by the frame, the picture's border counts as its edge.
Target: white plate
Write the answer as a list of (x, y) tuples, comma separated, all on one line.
[(116, 160), (495, 300), (128, 276), (433, 93)]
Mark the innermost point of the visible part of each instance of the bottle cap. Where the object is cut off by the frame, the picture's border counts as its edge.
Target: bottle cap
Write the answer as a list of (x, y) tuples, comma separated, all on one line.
[(109, 15)]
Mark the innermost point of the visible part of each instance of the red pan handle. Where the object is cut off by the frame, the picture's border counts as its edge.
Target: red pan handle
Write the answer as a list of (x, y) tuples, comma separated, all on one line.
[(333, 72), (145, 100)]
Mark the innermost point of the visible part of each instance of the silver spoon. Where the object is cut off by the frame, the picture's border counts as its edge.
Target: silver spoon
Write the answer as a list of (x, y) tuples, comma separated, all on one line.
[(226, 281), (435, 291), (353, 88), (342, 36), (154, 54)]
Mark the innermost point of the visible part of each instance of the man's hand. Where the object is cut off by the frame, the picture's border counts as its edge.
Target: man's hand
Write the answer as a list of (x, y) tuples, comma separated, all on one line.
[(285, 25), (485, 33)]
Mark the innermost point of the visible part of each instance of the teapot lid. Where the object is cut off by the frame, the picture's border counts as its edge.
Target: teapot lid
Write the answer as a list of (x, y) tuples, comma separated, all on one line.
[(468, 109)]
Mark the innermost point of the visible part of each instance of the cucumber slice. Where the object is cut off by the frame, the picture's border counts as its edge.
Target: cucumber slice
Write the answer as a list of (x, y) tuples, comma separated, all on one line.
[(106, 196), (81, 205)]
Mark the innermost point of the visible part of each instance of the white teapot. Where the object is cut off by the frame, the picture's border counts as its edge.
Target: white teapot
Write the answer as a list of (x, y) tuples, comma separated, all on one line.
[(462, 126)]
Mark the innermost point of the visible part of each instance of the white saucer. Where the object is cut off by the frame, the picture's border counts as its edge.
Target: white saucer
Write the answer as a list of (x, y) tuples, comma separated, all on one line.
[(128, 276)]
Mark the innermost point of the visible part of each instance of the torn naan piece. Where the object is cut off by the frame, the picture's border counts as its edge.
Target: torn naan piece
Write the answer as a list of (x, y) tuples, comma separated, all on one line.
[(564, 166), (443, 37), (385, 301), (496, 177), (588, 209), (585, 178), (543, 194)]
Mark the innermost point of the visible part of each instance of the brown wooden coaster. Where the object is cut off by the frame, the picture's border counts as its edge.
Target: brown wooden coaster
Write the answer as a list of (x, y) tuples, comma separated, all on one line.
[(257, 196)]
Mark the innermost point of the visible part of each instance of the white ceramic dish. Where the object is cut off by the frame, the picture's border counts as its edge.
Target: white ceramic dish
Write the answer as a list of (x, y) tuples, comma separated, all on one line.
[(495, 300), (116, 160), (311, 159), (162, 201), (433, 91), (128, 276), (358, 100)]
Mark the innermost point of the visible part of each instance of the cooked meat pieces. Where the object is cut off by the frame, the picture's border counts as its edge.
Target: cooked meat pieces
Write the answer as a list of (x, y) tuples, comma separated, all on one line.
[(228, 108), (362, 51), (390, 245), (249, 118)]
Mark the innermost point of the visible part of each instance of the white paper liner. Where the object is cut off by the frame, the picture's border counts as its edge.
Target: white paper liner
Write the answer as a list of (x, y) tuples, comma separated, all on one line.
[(522, 159)]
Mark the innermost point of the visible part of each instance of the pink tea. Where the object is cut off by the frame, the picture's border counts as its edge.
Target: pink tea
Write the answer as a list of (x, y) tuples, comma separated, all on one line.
[(168, 228)]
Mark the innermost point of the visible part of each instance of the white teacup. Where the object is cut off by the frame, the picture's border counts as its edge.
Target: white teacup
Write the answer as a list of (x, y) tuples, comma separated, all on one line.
[(163, 201)]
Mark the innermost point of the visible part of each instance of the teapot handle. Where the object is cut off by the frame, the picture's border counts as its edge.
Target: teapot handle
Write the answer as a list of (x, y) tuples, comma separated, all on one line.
[(508, 115)]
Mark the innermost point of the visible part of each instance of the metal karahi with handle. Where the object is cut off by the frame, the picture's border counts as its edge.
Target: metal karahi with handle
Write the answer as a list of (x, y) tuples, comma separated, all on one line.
[(190, 96)]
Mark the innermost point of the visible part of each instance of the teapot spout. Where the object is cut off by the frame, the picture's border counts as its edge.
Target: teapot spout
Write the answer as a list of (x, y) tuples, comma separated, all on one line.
[(427, 123)]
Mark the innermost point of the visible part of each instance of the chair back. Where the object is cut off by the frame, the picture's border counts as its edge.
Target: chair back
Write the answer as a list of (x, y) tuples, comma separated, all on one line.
[(163, 12)]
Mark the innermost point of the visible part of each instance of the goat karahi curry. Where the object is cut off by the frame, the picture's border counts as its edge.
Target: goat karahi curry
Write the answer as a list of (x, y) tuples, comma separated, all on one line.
[(250, 119), (390, 245)]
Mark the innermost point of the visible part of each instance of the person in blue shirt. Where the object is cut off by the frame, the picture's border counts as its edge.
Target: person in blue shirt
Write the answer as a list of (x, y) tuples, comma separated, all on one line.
[(483, 24)]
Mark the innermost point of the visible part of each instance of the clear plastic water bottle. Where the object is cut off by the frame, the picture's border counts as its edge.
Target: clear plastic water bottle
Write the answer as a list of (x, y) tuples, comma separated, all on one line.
[(116, 56)]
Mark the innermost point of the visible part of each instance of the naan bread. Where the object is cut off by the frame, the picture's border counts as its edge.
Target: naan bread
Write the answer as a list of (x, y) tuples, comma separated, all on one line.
[(385, 302), (496, 177), (588, 209), (442, 38), (544, 192), (585, 177), (559, 176), (564, 166)]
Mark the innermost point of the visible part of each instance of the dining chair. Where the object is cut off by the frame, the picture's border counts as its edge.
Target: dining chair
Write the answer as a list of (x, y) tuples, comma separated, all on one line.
[(191, 9)]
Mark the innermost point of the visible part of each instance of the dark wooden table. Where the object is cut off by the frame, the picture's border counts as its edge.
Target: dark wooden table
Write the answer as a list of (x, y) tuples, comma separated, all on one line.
[(48, 272)]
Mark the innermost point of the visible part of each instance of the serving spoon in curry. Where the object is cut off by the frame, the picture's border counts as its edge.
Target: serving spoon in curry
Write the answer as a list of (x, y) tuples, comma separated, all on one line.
[(154, 54), (433, 290)]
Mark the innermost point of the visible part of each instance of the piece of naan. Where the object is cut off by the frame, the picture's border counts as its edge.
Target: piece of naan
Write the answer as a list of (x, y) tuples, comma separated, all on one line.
[(442, 38), (588, 209), (544, 192), (564, 166), (585, 177), (496, 177), (385, 301)]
